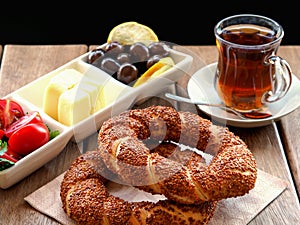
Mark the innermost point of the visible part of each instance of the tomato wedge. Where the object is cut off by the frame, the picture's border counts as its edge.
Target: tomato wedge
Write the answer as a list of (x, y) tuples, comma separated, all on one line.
[(10, 111), (15, 107), (9, 157), (28, 138), (31, 117)]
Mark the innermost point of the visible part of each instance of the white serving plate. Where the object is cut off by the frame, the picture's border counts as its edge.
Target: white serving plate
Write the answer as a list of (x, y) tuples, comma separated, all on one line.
[(30, 97)]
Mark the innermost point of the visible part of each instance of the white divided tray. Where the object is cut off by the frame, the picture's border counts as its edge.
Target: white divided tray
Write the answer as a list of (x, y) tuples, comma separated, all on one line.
[(30, 97)]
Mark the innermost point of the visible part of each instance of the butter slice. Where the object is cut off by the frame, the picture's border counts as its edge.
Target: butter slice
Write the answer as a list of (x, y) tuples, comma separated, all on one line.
[(60, 83), (74, 105)]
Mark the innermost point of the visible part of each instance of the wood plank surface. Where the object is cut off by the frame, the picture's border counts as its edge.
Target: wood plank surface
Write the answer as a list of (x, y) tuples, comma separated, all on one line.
[(289, 126), (22, 64)]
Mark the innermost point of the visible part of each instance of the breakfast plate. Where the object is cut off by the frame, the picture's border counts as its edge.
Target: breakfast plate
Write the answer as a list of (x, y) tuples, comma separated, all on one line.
[(118, 97), (201, 88)]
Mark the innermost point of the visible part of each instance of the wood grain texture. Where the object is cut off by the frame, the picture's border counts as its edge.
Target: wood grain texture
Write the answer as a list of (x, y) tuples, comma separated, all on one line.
[(289, 126), (22, 64)]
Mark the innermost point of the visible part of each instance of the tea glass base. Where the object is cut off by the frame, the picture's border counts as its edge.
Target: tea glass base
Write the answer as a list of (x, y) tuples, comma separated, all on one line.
[(260, 113)]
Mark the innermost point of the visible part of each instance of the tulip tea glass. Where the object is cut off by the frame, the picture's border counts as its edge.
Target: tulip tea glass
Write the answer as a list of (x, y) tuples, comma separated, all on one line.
[(249, 74)]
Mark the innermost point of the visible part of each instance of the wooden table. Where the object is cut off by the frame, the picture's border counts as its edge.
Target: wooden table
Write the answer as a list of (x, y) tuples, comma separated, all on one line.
[(276, 146)]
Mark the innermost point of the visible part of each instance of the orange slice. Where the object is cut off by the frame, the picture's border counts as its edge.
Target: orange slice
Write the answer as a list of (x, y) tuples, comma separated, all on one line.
[(128, 33)]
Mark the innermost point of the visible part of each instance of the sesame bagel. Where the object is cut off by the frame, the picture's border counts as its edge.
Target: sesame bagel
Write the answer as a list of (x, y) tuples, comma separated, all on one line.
[(122, 144), (86, 199)]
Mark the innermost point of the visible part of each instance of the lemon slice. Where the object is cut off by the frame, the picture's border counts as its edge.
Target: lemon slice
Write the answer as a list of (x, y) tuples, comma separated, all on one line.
[(168, 61), (155, 70), (128, 33), (144, 77)]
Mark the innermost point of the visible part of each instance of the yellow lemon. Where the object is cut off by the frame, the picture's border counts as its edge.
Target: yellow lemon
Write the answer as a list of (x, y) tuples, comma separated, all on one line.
[(168, 63), (128, 33), (155, 70)]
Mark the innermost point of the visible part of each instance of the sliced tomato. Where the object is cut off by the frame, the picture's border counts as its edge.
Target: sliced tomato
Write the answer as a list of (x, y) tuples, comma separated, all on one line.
[(9, 157), (6, 117), (2, 133), (31, 117), (28, 138), (10, 111), (16, 108), (13, 155), (5, 154)]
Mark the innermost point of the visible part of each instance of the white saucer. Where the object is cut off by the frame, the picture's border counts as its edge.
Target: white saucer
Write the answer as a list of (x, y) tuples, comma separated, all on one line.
[(201, 88)]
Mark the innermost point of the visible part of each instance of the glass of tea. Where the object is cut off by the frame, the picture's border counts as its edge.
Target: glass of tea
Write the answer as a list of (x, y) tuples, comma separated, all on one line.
[(249, 74)]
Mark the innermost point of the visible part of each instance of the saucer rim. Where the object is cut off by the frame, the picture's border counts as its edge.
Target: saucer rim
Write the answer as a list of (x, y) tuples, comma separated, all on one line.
[(231, 120)]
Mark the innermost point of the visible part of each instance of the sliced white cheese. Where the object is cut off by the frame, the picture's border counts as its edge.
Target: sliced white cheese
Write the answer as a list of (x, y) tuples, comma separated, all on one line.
[(72, 96), (74, 105), (92, 88), (58, 84), (108, 94)]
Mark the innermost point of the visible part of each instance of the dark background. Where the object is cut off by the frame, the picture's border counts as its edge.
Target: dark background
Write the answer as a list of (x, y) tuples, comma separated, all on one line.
[(187, 23)]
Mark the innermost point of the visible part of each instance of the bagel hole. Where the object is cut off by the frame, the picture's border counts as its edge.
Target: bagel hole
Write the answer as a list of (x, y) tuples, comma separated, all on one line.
[(132, 194), (207, 157), (172, 150)]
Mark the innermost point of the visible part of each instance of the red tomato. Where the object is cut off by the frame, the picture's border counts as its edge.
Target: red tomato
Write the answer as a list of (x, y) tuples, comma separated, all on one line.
[(13, 154), (9, 111), (2, 133), (31, 117), (9, 157), (29, 138), (16, 108), (5, 154)]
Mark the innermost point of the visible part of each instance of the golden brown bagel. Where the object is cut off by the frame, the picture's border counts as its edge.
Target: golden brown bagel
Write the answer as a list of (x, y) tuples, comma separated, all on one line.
[(86, 199), (232, 171)]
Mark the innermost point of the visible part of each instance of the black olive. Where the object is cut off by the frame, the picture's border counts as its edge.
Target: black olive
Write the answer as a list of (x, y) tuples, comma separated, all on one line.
[(95, 54), (109, 65), (123, 57), (153, 59), (159, 48), (113, 49), (137, 58), (139, 52), (127, 73)]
